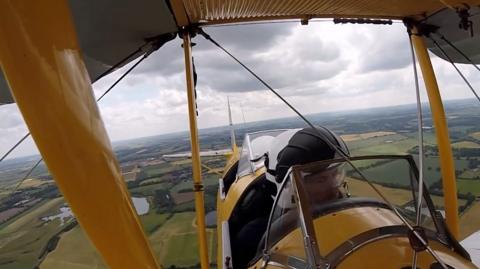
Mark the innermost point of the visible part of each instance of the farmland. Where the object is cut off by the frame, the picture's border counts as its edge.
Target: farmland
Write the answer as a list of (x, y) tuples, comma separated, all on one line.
[(26, 239)]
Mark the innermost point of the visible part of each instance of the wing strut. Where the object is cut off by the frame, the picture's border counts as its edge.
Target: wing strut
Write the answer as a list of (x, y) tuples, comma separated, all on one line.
[(441, 130), (42, 61), (196, 164)]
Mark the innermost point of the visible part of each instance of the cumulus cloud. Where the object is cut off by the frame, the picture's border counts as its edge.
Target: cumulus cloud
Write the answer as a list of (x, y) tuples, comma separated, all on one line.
[(319, 67), (386, 49)]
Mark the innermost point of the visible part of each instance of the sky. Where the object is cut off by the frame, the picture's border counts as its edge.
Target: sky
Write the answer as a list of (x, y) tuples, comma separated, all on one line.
[(319, 67)]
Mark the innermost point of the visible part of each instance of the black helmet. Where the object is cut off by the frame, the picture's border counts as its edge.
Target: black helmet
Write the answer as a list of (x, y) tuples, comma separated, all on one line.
[(308, 145)]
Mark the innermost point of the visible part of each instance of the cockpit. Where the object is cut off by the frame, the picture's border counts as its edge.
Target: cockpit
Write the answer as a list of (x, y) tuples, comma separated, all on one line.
[(329, 211)]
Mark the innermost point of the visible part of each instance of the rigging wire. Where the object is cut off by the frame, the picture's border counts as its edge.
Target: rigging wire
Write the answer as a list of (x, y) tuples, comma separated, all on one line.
[(14, 147), (122, 76), (442, 37), (456, 68), (120, 63), (144, 56), (420, 144), (333, 147), (25, 177), (100, 98)]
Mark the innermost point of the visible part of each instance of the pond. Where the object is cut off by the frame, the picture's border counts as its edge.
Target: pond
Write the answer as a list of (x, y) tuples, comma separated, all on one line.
[(141, 205)]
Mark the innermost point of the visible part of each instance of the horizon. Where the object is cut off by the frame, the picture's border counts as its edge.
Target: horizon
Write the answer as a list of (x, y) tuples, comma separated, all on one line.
[(319, 68), (331, 113)]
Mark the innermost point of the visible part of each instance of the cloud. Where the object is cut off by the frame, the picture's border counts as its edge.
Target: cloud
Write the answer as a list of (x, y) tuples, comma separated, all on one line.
[(387, 49), (11, 117), (317, 68)]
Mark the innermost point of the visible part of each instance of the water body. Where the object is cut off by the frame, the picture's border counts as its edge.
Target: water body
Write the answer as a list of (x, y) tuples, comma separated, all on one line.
[(141, 205), (211, 219)]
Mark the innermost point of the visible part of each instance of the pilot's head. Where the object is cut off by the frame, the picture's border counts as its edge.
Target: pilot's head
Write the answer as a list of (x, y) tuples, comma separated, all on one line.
[(302, 146)]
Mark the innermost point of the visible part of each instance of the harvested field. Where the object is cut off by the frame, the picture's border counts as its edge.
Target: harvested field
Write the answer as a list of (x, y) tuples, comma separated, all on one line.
[(182, 197), (354, 137)]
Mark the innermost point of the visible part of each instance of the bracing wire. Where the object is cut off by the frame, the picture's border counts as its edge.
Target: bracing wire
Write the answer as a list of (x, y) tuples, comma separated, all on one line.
[(420, 146), (25, 176), (14, 147), (456, 68), (120, 63), (420, 134), (122, 76), (144, 56), (459, 51), (334, 147)]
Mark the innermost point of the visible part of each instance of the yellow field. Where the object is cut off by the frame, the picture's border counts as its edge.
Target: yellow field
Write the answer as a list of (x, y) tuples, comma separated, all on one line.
[(354, 137), (475, 135), (33, 183), (470, 221), (394, 195), (466, 144), (363, 189)]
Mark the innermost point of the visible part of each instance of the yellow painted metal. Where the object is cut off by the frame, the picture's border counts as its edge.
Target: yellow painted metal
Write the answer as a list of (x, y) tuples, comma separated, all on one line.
[(441, 130), (41, 59), (236, 191), (341, 226), (196, 162), (394, 253), (334, 229), (230, 11)]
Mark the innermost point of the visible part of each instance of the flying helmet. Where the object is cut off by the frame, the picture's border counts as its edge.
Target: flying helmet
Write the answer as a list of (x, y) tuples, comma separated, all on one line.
[(301, 146)]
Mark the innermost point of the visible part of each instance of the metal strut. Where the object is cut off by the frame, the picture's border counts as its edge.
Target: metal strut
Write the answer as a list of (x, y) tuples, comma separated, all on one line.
[(196, 163)]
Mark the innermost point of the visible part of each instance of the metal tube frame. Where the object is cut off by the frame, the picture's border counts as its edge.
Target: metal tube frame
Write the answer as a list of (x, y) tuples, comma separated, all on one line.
[(196, 164), (441, 130)]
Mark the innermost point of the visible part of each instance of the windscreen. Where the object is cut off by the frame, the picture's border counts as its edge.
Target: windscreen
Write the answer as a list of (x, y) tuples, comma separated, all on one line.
[(381, 182), (254, 146)]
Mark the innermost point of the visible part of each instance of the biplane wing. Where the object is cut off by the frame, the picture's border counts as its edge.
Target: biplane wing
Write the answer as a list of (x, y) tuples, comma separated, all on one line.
[(466, 40), (105, 40), (53, 41)]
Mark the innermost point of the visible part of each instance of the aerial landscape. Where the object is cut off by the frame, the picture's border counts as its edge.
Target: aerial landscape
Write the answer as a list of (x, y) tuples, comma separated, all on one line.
[(38, 230)]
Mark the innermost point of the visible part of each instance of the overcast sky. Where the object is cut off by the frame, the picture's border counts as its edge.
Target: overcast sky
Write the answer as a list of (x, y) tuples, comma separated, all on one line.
[(319, 67)]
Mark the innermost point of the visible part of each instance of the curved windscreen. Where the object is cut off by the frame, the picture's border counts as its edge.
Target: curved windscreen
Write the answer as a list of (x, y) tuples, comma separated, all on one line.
[(380, 191), (254, 146), (386, 181)]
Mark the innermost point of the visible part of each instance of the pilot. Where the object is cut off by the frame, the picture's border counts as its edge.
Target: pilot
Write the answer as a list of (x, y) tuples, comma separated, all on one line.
[(302, 146), (292, 147)]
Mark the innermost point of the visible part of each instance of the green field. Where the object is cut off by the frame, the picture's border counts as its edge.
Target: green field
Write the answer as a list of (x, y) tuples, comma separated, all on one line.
[(175, 235), (178, 235), (23, 239), (152, 221), (73, 251), (468, 185), (148, 190)]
